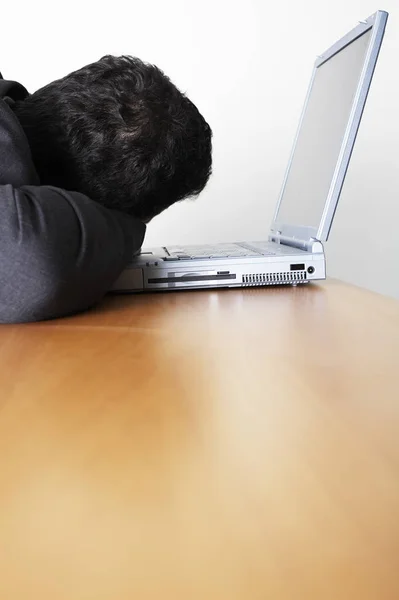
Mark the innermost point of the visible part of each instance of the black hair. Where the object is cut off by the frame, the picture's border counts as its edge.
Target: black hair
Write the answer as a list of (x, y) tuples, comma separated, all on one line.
[(119, 131)]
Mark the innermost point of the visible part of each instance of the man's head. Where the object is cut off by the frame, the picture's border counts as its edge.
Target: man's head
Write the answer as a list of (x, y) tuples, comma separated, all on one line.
[(119, 131)]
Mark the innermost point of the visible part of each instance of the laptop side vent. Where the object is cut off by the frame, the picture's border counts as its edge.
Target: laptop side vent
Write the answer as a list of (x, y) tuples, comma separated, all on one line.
[(274, 278)]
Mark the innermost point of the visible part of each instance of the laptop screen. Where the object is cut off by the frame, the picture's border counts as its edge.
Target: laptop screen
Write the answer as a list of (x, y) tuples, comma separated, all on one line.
[(320, 137)]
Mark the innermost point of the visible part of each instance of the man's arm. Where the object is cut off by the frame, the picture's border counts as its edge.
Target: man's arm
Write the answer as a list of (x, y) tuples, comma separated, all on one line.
[(59, 251)]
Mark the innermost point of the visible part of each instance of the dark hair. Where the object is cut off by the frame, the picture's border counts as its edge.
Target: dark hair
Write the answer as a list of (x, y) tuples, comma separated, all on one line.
[(119, 131)]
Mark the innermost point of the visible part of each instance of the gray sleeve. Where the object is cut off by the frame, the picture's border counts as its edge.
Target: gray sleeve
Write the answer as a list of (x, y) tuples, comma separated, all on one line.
[(59, 251)]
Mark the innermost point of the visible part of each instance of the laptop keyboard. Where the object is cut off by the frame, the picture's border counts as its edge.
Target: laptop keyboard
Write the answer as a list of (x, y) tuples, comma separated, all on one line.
[(239, 250)]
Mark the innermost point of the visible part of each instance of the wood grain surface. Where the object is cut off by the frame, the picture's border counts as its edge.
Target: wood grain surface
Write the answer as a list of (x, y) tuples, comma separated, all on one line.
[(217, 445)]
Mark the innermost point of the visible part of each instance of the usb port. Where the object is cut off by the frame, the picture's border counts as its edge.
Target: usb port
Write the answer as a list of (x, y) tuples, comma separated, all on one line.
[(297, 267)]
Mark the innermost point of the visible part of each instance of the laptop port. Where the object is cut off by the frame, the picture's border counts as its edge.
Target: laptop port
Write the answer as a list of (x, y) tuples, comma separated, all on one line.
[(310, 270), (297, 267)]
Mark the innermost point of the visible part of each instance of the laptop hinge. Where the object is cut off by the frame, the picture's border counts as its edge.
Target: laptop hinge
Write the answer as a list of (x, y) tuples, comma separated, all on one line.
[(311, 245)]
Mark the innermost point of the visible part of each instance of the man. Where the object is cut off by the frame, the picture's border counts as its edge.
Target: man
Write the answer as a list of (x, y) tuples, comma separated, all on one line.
[(84, 163)]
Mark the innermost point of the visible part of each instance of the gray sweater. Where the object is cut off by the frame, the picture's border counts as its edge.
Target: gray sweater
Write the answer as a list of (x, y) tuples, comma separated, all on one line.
[(60, 252)]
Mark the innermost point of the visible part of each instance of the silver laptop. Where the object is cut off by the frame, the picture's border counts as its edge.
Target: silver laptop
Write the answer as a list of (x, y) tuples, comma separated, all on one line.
[(292, 252)]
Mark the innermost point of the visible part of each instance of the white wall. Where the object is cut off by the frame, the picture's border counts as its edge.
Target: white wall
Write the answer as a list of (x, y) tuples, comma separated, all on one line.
[(246, 65)]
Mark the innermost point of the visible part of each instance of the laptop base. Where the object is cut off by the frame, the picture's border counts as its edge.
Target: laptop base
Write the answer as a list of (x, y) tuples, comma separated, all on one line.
[(153, 270)]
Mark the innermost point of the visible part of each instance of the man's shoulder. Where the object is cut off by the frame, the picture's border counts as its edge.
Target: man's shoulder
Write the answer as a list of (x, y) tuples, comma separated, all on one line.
[(12, 90), (16, 165)]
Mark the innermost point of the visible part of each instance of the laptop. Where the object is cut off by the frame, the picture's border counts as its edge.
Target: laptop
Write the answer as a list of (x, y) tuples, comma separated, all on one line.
[(292, 252)]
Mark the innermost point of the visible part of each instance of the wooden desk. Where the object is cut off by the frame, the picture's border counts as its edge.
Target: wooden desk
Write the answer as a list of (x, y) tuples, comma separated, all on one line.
[(203, 446)]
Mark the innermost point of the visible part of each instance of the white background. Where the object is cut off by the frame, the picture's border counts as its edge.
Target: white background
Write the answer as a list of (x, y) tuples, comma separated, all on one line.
[(246, 64)]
